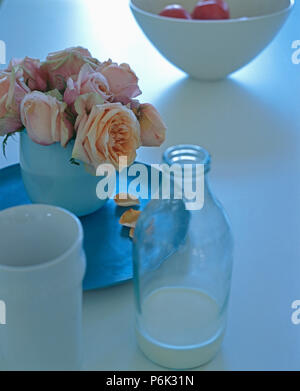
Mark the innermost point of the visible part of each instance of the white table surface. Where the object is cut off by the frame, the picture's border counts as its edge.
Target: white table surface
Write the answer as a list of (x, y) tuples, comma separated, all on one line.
[(250, 123)]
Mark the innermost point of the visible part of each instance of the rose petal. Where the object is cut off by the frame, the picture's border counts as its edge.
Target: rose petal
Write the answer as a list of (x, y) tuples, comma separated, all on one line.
[(125, 199), (131, 233), (9, 124), (153, 129), (130, 218)]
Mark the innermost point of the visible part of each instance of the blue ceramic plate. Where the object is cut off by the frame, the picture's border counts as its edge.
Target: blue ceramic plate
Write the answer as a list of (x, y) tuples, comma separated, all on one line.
[(107, 244)]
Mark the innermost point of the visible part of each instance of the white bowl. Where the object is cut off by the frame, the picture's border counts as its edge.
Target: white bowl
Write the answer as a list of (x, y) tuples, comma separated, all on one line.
[(213, 49)]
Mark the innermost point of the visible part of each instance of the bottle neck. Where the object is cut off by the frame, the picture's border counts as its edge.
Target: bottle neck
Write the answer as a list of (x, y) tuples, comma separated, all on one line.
[(194, 162)]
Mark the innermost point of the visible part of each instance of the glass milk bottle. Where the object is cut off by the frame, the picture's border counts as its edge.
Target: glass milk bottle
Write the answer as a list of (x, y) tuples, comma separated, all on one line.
[(182, 254)]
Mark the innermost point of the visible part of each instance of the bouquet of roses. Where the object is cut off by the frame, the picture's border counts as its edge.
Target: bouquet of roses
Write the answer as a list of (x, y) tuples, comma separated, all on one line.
[(73, 96)]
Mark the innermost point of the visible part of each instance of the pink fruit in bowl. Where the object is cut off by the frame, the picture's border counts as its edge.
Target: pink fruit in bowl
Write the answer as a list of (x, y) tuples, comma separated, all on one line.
[(175, 11), (211, 9)]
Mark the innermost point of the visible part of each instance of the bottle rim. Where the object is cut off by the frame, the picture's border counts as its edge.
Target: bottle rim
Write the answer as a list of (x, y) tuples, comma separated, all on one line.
[(187, 154)]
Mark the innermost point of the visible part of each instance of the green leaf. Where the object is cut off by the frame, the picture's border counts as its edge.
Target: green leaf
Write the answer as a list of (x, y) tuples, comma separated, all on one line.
[(55, 94), (7, 136), (61, 79), (70, 116), (4, 144), (74, 161)]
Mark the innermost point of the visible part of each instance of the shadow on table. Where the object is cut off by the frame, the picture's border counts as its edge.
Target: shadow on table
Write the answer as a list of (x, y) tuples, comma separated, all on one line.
[(225, 117)]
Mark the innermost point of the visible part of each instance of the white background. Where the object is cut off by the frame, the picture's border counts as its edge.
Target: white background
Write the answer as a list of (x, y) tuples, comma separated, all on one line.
[(250, 123)]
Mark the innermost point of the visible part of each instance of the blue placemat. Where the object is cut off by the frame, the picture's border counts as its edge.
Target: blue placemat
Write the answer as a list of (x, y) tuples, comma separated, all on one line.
[(107, 244)]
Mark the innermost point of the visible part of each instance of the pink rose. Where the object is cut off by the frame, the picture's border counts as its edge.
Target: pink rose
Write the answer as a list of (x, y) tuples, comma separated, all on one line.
[(12, 91), (110, 130), (87, 81), (45, 119), (34, 76), (13, 63), (122, 81), (61, 65), (153, 130), (84, 104)]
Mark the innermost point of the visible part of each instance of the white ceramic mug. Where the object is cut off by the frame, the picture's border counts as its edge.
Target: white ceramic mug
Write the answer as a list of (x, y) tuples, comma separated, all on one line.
[(42, 265)]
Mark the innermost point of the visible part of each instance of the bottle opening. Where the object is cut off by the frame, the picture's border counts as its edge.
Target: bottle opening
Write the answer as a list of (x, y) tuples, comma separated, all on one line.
[(187, 154)]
